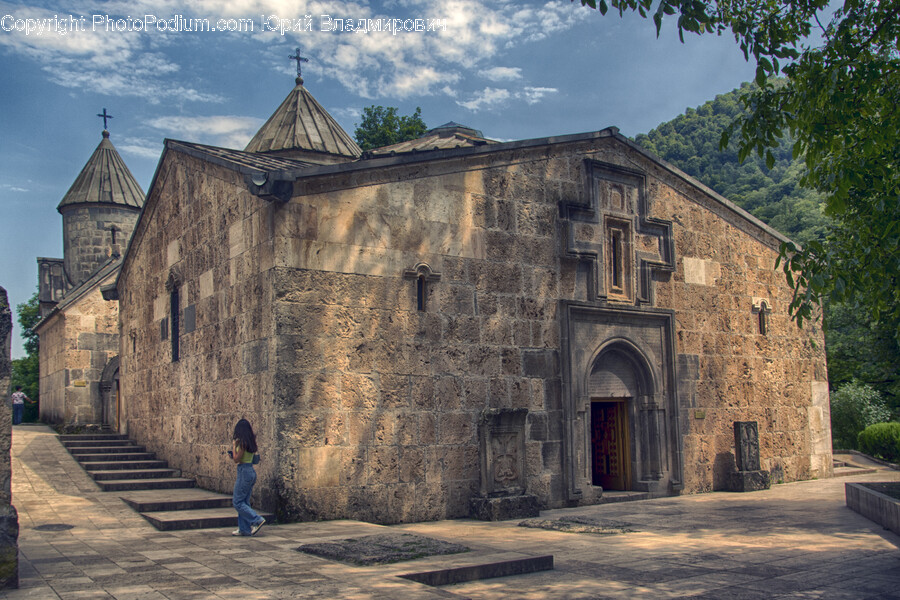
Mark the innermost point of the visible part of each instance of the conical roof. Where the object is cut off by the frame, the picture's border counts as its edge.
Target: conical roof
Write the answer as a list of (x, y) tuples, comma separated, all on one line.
[(105, 179), (300, 127)]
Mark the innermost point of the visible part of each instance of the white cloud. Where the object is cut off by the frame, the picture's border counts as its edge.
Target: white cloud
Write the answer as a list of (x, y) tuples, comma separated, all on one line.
[(346, 113), (501, 73), (532, 95), (12, 188), (226, 131), (371, 65), (489, 97), (108, 63), (140, 147), (485, 98)]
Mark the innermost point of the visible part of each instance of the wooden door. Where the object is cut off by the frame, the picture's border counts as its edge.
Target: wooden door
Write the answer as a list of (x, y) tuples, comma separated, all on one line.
[(609, 445)]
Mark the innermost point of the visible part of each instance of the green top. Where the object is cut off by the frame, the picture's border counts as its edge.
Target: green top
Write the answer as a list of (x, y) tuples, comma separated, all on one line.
[(247, 457)]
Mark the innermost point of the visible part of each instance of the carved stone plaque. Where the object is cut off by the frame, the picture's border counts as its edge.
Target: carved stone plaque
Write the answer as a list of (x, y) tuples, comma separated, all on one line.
[(746, 445), (502, 436)]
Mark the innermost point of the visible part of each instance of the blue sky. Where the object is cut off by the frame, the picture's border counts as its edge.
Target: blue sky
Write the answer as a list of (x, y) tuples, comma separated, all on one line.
[(515, 70)]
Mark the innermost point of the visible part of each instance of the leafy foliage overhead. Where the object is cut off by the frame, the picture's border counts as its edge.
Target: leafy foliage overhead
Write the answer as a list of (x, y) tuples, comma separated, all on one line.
[(381, 126), (838, 105)]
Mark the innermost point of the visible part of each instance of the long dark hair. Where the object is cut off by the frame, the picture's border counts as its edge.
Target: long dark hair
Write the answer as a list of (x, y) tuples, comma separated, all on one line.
[(243, 433)]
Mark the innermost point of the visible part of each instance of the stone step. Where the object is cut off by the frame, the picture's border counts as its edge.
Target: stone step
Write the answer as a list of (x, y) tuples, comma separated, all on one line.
[(123, 465), (75, 451), (487, 570), (134, 474), (124, 485), (117, 457), (610, 496), (173, 500), (202, 518), (74, 437), (97, 443), (849, 471)]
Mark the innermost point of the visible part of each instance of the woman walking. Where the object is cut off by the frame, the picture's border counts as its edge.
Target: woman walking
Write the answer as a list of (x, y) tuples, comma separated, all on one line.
[(243, 448)]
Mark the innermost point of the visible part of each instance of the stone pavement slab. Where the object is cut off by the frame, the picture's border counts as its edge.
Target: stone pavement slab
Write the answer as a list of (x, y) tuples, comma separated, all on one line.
[(795, 540)]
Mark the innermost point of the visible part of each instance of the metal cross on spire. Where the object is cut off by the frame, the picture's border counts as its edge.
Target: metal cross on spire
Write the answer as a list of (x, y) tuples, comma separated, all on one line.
[(105, 117), (299, 59)]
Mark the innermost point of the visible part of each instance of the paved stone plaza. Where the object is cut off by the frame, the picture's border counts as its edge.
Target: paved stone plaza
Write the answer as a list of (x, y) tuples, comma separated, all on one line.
[(795, 540)]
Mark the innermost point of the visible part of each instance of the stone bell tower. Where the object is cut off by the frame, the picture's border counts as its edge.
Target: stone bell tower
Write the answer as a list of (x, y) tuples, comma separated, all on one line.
[(78, 330), (99, 212)]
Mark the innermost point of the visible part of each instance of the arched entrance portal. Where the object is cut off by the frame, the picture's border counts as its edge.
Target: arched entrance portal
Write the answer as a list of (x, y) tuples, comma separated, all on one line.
[(616, 380), (109, 394), (619, 401)]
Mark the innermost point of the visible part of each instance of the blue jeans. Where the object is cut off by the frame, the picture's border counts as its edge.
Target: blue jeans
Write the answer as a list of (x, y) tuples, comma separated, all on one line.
[(18, 410), (243, 487)]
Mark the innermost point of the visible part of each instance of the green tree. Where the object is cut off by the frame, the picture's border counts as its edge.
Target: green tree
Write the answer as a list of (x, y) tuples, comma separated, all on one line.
[(881, 440), (381, 126), (838, 105), (864, 349), (26, 371), (855, 406)]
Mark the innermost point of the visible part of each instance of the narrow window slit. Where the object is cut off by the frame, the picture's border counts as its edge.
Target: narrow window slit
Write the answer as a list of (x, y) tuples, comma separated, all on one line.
[(420, 293)]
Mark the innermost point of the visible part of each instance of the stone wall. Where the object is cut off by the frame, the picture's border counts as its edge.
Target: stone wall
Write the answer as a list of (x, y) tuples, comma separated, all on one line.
[(209, 239), (77, 342), (88, 239), (377, 401), (732, 372), (306, 319), (9, 520)]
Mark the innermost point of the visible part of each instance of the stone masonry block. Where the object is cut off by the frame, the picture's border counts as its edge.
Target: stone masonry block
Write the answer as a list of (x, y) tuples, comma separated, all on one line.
[(543, 364)]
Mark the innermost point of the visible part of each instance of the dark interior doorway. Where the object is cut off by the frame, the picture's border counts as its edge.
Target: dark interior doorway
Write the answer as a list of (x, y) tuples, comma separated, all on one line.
[(609, 444)]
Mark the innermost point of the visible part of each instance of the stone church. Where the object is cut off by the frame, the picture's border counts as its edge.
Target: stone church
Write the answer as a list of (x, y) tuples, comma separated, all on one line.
[(418, 327), (79, 330)]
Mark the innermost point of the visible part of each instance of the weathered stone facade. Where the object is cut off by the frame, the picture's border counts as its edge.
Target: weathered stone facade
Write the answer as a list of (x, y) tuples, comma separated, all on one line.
[(9, 519), (79, 339), (365, 324)]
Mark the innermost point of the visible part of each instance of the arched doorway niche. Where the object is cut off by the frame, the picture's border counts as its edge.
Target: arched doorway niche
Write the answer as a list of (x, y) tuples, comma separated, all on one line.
[(624, 442)]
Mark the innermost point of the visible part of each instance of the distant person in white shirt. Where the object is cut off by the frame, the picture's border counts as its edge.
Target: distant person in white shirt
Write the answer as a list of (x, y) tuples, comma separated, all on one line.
[(18, 404)]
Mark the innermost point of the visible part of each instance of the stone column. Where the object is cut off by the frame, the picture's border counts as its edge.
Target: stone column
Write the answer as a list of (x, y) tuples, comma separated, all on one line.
[(9, 519), (653, 433)]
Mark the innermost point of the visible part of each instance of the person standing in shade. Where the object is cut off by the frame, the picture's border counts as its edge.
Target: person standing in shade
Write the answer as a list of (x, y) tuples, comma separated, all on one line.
[(242, 453), (18, 404)]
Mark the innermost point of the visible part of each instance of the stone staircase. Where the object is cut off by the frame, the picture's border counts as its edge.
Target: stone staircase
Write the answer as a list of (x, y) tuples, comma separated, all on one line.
[(158, 493)]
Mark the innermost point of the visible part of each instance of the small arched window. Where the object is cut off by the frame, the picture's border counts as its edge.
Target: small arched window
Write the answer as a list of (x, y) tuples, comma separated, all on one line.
[(423, 275)]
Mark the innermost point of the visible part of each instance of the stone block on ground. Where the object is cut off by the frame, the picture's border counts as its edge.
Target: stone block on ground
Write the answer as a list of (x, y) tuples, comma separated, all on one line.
[(748, 481), (576, 524), (505, 507), (382, 549)]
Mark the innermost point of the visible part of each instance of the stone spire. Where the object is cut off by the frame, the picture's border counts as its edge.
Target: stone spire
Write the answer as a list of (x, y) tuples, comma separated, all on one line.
[(105, 179), (302, 129), (99, 213)]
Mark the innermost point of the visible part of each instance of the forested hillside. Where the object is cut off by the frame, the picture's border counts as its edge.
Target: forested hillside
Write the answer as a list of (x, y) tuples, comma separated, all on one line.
[(691, 142), (858, 347)]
